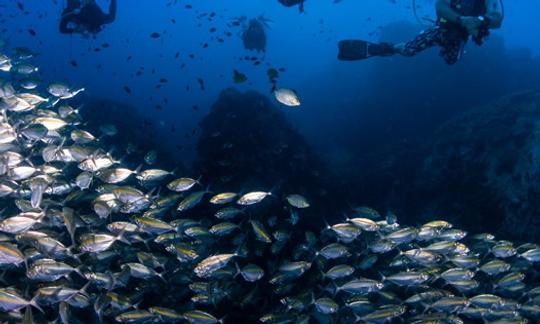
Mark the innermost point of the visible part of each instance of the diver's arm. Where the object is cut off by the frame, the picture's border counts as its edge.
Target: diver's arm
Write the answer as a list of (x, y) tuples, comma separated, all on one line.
[(111, 16), (494, 13), (64, 29), (445, 11)]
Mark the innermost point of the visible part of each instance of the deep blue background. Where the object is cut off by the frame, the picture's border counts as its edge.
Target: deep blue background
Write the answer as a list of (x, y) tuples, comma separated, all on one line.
[(346, 106)]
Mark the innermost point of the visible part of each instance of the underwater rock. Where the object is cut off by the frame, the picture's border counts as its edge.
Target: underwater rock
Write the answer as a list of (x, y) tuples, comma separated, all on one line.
[(489, 160), (480, 170), (247, 142)]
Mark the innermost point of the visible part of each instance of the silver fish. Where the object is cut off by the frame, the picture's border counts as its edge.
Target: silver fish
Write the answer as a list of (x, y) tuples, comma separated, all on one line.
[(253, 198), (211, 264)]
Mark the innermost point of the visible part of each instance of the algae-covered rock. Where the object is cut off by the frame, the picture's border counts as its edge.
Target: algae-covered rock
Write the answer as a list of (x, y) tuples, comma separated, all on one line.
[(488, 162), (246, 143), (246, 136)]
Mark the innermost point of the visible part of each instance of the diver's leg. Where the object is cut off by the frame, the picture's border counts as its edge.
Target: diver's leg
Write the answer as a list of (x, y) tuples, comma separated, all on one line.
[(425, 40), (111, 15), (69, 15)]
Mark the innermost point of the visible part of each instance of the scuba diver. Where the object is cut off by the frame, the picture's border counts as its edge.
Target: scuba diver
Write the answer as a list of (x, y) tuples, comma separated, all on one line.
[(457, 21), (85, 17), (290, 3), (254, 33)]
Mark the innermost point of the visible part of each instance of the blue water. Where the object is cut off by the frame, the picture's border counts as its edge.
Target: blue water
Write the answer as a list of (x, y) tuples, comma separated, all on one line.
[(305, 44)]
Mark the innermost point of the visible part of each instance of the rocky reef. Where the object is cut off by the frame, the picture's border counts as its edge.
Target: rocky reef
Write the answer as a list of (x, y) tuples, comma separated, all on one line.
[(246, 142), (480, 170), (489, 160)]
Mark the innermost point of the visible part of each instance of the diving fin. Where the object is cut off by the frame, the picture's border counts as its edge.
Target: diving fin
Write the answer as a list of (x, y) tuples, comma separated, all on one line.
[(354, 49)]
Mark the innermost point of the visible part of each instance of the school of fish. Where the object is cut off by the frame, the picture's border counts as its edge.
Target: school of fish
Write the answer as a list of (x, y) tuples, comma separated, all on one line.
[(85, 238)]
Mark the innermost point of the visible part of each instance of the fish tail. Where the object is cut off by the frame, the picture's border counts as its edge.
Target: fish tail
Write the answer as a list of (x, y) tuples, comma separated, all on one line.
[(122, 236), (161, 276), (238, 270), (33, 303)]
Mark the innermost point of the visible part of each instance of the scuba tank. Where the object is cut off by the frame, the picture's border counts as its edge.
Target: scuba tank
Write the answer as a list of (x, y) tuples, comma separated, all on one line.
[(469, 7)]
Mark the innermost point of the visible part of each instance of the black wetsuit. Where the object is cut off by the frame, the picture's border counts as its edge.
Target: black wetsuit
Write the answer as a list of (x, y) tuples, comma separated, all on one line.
[(89, 18), (290, 3), (451, 37)]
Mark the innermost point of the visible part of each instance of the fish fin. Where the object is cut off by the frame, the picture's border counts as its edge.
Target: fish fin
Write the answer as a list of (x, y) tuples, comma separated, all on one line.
[(238, 251), (138, 169), (3, 273), (76, 92), (122, 277), (100, 304), (358, 318), (4, 114), (52, 101), (71, 228), (33, 303), (333, 289), (78, 271), (28, 316), (150, 194), (120, 160), (138, 304), (69, 252), (426, 306), (198, 181), (274, 189), (83, 290), (327, 226), (78, 109), (63, 308), (161, 276), (238, 270), (138, 238), (122, 237)]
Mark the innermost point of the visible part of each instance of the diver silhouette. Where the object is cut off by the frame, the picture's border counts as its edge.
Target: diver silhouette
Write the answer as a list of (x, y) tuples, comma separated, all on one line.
[(457, 22), (85, 17), (290, 3)]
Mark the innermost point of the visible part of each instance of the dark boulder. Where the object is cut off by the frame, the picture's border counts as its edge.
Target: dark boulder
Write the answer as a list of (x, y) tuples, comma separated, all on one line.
[(481, 171), (485, 167), (247, 144)]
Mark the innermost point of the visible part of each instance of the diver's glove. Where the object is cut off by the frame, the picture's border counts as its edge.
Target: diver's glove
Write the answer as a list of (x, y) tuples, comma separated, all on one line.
[(472, 24), (483, 31)]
